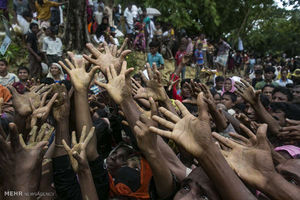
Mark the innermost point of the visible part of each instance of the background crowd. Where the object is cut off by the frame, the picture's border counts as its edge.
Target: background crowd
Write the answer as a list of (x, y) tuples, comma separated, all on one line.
[(87, 126)]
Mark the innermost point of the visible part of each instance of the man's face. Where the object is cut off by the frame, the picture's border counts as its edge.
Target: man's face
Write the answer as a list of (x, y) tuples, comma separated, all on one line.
[(268, 92), (284, 73), (250, 112), (258, 76), (23, 75), (226, 100), (279, 97), (269, 76), (279, 115), (296, 93), (196, 186), (217, 98), (117, 159), (3, 67)]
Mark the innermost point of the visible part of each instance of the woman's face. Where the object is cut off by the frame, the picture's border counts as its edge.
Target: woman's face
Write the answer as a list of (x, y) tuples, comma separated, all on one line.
[(185, 91), (227, 85), (54, 70)]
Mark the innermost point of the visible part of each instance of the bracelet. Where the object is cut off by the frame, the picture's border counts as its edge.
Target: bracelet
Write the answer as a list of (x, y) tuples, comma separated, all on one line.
[(59, 145)]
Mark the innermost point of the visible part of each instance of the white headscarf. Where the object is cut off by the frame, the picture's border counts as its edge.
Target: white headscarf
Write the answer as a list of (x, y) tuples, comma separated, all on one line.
[(61, 76)]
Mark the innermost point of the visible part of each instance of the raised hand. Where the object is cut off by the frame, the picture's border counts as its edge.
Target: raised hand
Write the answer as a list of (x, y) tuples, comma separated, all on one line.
[(80, 78), (252, 161), (118, 86), (111, 56), (77, 154), (194, 134), (22, 103), (35, 137), (20, 167), (290, 132), (61, 107), (42, 112), (246, 91), (154, 88), (146, 140)]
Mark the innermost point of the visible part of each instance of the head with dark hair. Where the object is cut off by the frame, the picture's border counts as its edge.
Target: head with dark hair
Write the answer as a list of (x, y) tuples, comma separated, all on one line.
[(34, 27), (41, 2), (3, 67), (219, 82), (185, 89), (281, 94), (282, 110), (269, 73), (229, 99), (23, 73), (47, 81), (27, 15), (267, 90)]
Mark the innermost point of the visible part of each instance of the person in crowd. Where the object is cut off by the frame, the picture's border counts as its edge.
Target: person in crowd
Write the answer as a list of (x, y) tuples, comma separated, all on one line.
[(219, 82), (20, 7), (269, 74), (198, 54), (222, 57), (129, 22), (178, 58), (3, 7), (6, 78), (154, 56), (267, 90), (34, 54), (258, 77), (23, 84), (228, 86), (52, 47), (56, 73), (283, 81), (43, 8), (281, 94)]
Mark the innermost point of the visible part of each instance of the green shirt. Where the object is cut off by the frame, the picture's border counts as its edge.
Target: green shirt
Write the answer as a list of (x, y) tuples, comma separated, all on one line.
[(261, 84)]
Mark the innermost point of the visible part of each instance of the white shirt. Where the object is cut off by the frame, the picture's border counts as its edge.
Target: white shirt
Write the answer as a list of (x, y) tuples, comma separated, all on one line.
[(151, 29), (284, 83), (129, 17), (52, 47), (9, 79), (98, 16)]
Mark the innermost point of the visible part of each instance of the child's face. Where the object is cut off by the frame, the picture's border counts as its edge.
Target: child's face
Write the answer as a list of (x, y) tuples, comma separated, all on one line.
[(153, 50)]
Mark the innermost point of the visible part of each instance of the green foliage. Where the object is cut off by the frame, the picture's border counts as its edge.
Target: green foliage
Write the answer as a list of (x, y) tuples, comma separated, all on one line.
[(15, 55)]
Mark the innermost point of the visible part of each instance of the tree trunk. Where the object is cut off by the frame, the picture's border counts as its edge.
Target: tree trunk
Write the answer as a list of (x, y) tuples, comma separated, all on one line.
[(76, 33)]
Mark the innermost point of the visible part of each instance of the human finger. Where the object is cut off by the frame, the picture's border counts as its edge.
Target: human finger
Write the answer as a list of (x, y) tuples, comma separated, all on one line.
[(66, 147), (153, 106), (93, 50), (239, 138), (122, 47), (22, 141), (33, 135), (182, 108), (225, 141), (83, 134), (149, 71), (247, 131), (169, 114), (163, 133), (164, 122), (113, 71), (74, 140), (64, 67)]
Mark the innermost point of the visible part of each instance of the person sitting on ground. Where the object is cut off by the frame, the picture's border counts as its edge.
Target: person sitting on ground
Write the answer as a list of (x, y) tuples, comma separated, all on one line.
[(154, 56), (6, 78), (56, 73)]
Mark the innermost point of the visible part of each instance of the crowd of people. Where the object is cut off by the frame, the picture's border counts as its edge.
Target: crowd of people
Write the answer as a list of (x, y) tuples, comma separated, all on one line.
[(89, 127)]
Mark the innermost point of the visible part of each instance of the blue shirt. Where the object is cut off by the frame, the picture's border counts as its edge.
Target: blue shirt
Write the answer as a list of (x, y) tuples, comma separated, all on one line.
[(199, 57), (157, 58)]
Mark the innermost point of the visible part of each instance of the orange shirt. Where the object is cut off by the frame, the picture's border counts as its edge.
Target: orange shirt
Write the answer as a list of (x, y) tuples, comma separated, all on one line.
[(4, 93)]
